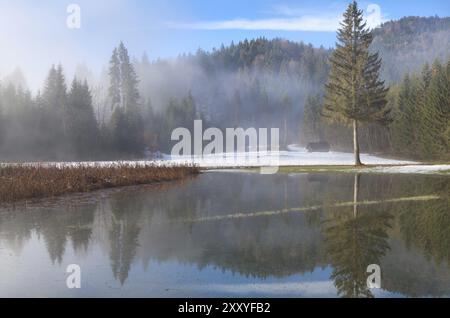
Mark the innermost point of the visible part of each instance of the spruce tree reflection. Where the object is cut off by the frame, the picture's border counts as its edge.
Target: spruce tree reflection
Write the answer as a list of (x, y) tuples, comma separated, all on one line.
[(124, 234), (355, 238), (57, 228), (54, 232), (80, 227)]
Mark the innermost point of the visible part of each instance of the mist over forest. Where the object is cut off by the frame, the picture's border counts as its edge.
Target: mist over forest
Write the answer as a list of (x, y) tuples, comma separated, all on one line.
[(133, 106)]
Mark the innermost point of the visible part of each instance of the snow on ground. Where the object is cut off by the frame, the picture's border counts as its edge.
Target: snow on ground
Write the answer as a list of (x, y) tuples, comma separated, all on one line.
[(297, 156), (425, 169), (294, 156)]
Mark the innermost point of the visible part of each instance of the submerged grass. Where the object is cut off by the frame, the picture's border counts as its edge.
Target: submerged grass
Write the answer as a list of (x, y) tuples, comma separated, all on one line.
[(22, 182), (423, 198), (319, 169)]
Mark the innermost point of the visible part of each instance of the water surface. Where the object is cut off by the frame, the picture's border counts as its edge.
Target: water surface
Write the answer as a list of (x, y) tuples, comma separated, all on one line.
[(235, 235)]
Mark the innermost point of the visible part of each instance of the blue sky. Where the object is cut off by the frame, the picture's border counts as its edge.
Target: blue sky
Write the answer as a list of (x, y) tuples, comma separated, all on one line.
[(34, 34)]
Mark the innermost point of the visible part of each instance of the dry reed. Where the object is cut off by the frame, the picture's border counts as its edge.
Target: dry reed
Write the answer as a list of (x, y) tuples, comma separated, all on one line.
[(22, 182)]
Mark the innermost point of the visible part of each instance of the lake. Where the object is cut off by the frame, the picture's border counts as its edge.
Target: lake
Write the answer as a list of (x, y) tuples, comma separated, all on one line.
[(235, 234)]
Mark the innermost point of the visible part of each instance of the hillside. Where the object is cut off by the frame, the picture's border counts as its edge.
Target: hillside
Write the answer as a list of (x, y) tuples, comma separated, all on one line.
[(407, 44)]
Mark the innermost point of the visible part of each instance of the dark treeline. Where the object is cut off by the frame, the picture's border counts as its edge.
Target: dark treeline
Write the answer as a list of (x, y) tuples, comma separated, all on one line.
[(59, 123), (136, 106), (421, 128), (420, 119)]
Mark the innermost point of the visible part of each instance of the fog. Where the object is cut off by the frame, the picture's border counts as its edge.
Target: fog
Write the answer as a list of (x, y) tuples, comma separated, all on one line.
[(35, 35), (259, 82)]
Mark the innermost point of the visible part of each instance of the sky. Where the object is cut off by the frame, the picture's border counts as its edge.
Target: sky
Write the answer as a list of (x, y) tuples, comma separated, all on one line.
[(36, 34)]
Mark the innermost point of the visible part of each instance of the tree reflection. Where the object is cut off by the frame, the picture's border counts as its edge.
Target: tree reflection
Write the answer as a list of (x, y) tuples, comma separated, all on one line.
[(355, 238), (80, 228), (426, 225), (124, 234), (348, 237)]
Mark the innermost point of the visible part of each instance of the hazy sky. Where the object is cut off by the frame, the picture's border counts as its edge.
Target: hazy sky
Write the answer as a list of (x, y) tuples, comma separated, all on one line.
[(34, 34)]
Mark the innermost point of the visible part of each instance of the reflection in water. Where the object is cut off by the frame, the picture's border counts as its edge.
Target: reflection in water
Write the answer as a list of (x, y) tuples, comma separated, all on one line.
[(356, 239), (238, 228), (124, 234)]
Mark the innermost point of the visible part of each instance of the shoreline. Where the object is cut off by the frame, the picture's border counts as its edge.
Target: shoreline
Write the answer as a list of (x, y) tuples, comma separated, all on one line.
[(21, 182), (431, 169)]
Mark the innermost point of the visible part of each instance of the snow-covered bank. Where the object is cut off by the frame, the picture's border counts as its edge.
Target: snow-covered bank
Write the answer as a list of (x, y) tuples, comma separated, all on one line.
[(298, 156), (294, 156), (421, 169)]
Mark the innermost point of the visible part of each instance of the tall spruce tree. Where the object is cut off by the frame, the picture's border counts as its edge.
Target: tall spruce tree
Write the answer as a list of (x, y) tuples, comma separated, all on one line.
[(126, 122), (54, 124), (114, 80), (128, 81), (354, 92)]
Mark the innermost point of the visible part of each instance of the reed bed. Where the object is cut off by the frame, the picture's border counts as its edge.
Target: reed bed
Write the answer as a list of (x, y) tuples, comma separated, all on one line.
[(23, 182)]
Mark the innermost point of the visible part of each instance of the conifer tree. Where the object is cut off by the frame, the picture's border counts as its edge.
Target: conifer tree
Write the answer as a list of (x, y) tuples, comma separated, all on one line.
[(126, 122), (354, 92), (114, 79), (54, 124), (405, 134), (119, 132), (128, 81), (422, 114), (446, 134), (434, 113), (312, 119), (82, 127)]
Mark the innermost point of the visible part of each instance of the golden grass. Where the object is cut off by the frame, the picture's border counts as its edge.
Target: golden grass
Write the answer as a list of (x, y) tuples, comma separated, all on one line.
[(22, 182)]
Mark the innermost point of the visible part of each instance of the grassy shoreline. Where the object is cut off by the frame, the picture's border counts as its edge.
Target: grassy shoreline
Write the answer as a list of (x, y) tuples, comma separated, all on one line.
[(24, 182), (21, 182), (339, 168)]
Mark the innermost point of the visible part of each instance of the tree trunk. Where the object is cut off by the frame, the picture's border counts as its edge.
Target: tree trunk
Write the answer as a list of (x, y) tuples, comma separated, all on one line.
[(356, 143), (356, 195)]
